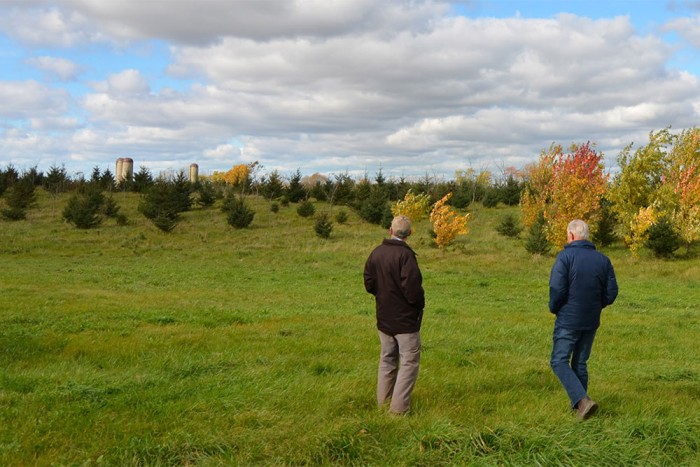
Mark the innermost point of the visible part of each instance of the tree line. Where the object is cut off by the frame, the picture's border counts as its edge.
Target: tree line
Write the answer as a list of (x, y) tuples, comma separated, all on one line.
[(653, 201)]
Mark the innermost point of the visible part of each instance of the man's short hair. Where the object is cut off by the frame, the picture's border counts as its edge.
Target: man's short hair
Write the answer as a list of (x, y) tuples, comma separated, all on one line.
[(401, 226), (579, 229)]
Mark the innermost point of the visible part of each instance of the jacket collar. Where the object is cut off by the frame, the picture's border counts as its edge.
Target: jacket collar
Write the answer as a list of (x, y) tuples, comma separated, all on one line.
[(580, 244), (397, 242)]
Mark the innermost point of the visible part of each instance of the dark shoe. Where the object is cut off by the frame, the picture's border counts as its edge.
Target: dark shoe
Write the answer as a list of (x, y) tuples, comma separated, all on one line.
[(586, 407)]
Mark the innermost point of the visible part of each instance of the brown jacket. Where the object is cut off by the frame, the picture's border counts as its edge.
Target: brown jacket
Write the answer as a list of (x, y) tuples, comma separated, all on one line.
[(393, 277)]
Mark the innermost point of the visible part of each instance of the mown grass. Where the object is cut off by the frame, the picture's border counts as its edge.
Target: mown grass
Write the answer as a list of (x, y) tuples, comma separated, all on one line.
[(209, 346)]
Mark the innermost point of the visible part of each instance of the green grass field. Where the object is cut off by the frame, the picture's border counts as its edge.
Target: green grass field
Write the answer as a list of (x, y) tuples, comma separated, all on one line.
[(213, 346)]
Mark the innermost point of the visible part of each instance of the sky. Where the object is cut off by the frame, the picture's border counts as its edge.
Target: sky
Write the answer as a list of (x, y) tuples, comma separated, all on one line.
[(411, 88)]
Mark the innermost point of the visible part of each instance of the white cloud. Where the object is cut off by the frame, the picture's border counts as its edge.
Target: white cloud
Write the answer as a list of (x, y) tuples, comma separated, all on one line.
[(223, 152), (27, 99), (65, 70), (346, 84)]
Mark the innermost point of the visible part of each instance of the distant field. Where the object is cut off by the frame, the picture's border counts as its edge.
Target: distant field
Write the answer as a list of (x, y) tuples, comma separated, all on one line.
[(123, 345)]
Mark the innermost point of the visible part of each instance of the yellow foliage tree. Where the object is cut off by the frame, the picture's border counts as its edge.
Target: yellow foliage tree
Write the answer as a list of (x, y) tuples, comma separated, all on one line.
[(639, 228), (446, 223), (681, 191), (236, 176), (414, 206)]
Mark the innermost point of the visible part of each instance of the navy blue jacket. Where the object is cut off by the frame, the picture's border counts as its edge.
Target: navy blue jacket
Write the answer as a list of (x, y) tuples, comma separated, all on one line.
[(393, 277), (581, 284)]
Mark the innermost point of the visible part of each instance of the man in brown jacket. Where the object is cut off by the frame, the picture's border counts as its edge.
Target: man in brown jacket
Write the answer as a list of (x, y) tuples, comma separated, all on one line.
[(393, 277)]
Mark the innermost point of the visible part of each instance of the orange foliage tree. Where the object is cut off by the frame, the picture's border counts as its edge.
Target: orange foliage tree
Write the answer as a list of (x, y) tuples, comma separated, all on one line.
[(563, 187), (446, 223)]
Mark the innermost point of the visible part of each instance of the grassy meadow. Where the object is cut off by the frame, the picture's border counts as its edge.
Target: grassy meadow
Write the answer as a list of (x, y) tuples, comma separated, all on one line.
[(123, 345)]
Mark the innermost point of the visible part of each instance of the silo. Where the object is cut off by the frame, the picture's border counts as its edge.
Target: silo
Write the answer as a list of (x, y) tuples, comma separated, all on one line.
[(194, 173), (120, 167), (128, 169)]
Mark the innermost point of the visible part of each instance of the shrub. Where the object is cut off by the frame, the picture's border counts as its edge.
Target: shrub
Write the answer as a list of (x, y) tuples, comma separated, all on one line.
[(491, 198), (604, 234), (663, 238), (82, 212), (165, 222), (509, 226), (341, 217), (238, 214), (323, 226), (84, 207), (537, 243), (110, 207), (19, 197), (306, 209), (274, 207), (207, 194)]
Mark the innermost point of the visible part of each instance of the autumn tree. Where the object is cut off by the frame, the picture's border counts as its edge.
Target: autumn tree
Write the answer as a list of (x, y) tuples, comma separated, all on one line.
[(237, 177), (680, 194), (562, 187), (414, 206), (577, 186), (447, 224), (636, 186)]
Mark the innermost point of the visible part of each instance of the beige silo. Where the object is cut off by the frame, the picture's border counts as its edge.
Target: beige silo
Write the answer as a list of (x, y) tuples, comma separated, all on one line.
[(120, 167), (194, 173), (127, 169)]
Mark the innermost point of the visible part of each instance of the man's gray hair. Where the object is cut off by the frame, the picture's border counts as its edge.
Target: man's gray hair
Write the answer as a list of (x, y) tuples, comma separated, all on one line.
[(401, 226), (579, 229)]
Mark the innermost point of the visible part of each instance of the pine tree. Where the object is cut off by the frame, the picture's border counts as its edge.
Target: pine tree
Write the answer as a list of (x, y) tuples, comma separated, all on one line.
[(19, 197), (295, 190), (323, 226), (537, 243)]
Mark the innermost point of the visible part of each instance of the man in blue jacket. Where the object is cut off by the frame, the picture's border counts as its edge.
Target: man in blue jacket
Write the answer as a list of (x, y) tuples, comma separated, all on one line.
[(581, 284), (393, 277)]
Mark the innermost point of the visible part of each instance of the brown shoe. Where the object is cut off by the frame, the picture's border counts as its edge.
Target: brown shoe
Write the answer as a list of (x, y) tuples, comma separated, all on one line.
[(586, 407)]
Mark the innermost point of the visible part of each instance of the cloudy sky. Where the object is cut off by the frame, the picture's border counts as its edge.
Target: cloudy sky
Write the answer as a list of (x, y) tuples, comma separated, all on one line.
[(334, 86)]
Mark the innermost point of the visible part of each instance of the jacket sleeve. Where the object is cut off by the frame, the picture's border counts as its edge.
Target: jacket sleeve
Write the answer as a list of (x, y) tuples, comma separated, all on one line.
[(558, 285), (412, 282), (370, 279), (611, 289)]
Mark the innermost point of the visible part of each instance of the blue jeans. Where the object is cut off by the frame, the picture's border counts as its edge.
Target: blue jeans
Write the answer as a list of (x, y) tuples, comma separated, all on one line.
[(570, 352)]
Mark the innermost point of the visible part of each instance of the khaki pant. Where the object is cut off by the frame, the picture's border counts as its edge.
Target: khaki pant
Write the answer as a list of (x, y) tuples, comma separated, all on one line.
[(398, 369)]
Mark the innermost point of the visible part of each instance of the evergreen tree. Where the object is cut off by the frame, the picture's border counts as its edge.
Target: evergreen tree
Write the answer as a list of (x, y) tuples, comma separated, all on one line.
[(56, 180), (18, 198), (663, 238), (306, 209), (295, 191), (323, 226), (510, 191), (238, 214), (142, 181), (537, 242), (604, 234), (7, 178), (96, 177), (272, 186), (509, 226), (182, 189), (343, 190), (373, 208), (207, 194), (107, 181), (362, 192), (163, 203)]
